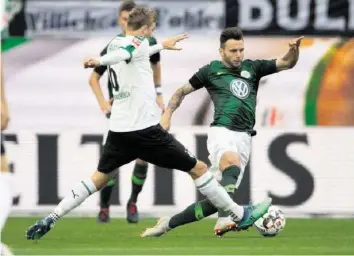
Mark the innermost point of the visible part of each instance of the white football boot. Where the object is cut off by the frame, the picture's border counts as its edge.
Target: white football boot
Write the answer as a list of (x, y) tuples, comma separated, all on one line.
[(224, 225), (159, 229)]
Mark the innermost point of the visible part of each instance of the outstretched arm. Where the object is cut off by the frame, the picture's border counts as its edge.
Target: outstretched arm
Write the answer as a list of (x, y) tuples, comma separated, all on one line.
[(168, 44), (123, 54), (114, 57), (291, 57), (107, 59), (178, 97), (174, 103), (155, 49)]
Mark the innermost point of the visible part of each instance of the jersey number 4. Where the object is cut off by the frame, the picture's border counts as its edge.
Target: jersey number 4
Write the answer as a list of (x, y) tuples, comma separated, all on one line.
[(113, 79)]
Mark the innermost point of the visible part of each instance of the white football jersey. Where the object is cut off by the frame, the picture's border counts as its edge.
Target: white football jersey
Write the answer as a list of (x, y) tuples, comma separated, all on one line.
[(134, 106)]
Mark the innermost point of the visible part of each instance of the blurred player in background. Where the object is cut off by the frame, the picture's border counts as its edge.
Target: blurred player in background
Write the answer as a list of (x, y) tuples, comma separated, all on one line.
[(5, 174), (141, 167), (8, 10), (232, 84)]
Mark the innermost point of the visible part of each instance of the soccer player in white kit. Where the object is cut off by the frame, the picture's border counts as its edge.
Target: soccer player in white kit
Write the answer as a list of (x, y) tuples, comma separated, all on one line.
[(140, 169), (134, 129)]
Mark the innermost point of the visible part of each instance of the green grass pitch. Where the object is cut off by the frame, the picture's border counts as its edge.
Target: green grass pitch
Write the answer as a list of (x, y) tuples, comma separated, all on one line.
[(74, 236)]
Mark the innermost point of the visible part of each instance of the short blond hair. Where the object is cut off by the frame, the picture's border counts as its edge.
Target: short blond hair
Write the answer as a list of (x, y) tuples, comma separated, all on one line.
[(141, 16)]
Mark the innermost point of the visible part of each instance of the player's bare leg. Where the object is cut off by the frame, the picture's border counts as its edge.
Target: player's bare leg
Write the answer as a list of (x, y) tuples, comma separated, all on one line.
[(73, 199), (138, 180)]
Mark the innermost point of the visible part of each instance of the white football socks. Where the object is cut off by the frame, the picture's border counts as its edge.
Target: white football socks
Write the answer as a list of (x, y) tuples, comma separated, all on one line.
[(77, 195), (4, 250), (217, 195), (5, 197)]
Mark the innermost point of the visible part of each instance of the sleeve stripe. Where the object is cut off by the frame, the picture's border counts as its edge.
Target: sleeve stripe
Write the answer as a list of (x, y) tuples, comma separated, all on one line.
[(130, 49), (133, 46)]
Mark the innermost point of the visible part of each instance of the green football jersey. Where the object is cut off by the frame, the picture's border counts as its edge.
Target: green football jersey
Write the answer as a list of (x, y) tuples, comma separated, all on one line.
[(233, 91)]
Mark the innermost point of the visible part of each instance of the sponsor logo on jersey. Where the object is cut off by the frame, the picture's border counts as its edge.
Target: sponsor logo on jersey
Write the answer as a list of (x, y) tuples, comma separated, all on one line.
[(245, 74), (240, 88), (122, 95), (113, 47)]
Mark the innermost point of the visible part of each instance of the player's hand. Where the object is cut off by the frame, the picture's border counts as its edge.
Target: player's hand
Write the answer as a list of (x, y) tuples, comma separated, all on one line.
[(295, 43), (170, 44), (106, 106), (160, 102), (91, 63), (165, 121)]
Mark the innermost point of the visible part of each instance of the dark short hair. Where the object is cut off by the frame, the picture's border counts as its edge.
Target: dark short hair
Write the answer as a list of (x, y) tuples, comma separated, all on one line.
[(230, 33), (141, 16), (127, 6)]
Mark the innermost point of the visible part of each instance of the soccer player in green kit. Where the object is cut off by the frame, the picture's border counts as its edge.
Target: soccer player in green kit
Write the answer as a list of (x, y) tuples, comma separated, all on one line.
[(141, 167), (232, 84)]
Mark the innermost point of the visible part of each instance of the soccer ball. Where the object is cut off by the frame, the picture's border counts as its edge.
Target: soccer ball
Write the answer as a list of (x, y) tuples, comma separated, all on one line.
[(272, 222)]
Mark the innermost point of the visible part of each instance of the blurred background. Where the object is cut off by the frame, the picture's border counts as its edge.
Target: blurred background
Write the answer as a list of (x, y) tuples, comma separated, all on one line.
[(302, 155)]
